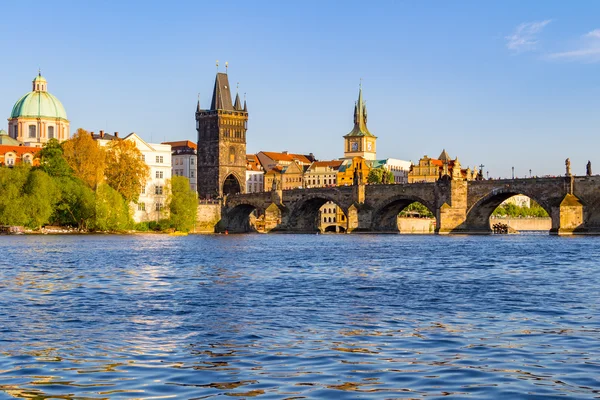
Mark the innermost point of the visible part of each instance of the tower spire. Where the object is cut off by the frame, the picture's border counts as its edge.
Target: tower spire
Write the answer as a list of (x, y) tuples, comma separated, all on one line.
[(245, 107), (237, 104), (198, 106)]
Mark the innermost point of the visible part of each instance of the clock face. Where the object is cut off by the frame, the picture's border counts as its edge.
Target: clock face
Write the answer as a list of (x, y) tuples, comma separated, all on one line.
[(369, 146), (354, 146)]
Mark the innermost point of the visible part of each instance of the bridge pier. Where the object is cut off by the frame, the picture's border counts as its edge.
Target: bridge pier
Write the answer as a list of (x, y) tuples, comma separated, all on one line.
[(452, 212), (567, 218)]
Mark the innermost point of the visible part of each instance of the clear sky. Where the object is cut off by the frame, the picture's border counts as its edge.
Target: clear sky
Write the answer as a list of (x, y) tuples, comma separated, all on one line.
[(505, 84)]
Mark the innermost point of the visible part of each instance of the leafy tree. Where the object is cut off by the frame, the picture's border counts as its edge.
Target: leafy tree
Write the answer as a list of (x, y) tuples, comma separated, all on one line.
[(40, 196), (77, 206), (376, 176), (416, 207), (125, 172), (12, 202), (111, 209), (85, 156), (183, 204), (52, 161)]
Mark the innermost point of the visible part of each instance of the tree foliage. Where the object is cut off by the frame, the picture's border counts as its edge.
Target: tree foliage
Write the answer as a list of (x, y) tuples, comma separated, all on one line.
[(111, 210), (12, 181), (126, 171), (40, 196), (183, 204), (377, 176), (52, 161), (85, 156), (77, 206), (416, 208), (515, 211)]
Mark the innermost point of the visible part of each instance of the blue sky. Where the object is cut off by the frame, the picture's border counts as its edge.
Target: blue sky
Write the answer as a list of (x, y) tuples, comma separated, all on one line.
[(500, 83)]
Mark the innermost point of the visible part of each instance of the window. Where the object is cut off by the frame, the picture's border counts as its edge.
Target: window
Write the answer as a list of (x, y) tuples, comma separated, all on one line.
[(141, 206), (32, 131), (158, 189), (50, 132), (159, 174), (159, 159), (15, 131), (192, 160), (27, 159), (143, 191), (191, 173), (143, 158), (159, 207), (232, 155)]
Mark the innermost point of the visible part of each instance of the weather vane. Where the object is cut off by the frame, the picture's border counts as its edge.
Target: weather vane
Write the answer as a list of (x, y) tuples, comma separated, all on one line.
[(217, 65)]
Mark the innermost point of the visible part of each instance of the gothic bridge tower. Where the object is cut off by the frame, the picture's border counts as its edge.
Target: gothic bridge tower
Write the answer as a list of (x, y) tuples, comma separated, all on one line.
[(221, 143)]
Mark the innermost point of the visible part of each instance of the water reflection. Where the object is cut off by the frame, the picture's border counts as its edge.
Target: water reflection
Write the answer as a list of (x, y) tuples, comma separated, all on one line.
[(312, 317)]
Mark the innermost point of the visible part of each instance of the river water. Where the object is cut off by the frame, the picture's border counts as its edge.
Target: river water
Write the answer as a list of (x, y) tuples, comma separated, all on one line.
[(299, 316)]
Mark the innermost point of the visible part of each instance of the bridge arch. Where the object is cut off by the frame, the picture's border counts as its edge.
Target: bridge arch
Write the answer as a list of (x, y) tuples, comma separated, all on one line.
[(385, 215), (478, 215), (305, 216), (244, 217)]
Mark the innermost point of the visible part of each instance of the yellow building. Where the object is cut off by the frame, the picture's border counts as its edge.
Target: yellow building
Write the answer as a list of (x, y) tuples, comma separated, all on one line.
[(346, 171), (432, 169)]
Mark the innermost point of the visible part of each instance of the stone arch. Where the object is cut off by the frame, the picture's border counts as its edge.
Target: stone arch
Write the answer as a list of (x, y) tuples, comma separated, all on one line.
[(304, 216), (478, 215), (231, 185), (240, 218), (385, 215)]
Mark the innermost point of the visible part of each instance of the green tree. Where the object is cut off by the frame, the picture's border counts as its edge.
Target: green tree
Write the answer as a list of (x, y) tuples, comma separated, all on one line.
[(111, 210), (40, 196), (77, 205), (416, 207), (183, 204), (52, 161), (12, 202), (376, 176), (126, 171)]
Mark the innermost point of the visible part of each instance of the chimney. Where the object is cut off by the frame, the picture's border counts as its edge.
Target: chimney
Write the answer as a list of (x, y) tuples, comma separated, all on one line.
[(101, 134), (284, 152), (116, 134)]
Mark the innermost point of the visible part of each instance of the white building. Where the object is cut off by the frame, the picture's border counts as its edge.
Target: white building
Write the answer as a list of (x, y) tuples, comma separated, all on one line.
[(153, 196), (399, 168), (255, 174), (184, 161)]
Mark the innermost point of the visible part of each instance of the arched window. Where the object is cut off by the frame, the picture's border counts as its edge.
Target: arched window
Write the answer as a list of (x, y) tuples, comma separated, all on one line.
[(50, 132)]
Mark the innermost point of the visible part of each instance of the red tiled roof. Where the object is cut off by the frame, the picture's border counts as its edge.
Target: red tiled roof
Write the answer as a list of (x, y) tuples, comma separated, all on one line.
[(183, 143), (252, 163), (333, 163), (286, 157), (20, 150)]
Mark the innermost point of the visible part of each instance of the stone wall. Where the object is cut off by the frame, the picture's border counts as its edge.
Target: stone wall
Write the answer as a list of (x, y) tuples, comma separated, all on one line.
[(525, 224), (207, 218), (416, 225)]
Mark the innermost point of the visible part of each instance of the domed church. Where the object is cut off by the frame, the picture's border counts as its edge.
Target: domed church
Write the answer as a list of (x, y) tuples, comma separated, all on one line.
[(38, 116)]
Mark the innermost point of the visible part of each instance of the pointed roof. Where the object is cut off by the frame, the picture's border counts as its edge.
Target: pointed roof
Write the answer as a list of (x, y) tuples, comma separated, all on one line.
[(444, 156), (221, 99), (360, 118), (245, 107), (238, 104)]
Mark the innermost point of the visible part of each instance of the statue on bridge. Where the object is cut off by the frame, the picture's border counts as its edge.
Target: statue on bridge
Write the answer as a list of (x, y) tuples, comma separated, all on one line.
[(568, 167), (588, 168)]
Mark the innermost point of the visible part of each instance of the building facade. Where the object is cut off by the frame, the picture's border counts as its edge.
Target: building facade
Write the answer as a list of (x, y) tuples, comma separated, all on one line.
[(322, 173), (254, 175), (184, 161), (360, 142), (38, 117), (12, 152), (151, 204), (432, 169), (221, 143)]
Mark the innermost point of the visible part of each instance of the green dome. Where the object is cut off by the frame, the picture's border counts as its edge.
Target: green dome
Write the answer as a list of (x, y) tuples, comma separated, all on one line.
[(38, 104)]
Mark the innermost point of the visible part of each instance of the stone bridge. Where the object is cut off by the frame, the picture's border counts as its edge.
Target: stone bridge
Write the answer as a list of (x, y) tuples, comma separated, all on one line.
[(459, 206)]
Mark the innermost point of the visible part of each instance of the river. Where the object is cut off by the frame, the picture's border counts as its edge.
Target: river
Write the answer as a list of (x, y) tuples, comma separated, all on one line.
[(299, 316)]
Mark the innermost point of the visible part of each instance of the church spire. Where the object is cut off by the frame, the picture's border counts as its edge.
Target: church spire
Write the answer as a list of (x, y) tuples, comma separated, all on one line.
[(360, 117), (237, 105), (245, 107), (221, 99)]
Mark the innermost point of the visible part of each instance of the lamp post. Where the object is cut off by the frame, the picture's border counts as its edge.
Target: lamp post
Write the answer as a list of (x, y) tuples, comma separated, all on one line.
[(513, 172), (530, 172)]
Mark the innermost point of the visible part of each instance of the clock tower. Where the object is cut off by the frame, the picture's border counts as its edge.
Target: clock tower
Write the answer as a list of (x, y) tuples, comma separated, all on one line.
[(360, 142)]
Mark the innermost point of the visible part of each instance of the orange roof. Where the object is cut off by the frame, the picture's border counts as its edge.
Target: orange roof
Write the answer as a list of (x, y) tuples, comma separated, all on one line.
[(20, 150), (183, 143), (332, 163), (276, 170), (252, 163), (286, 157)]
